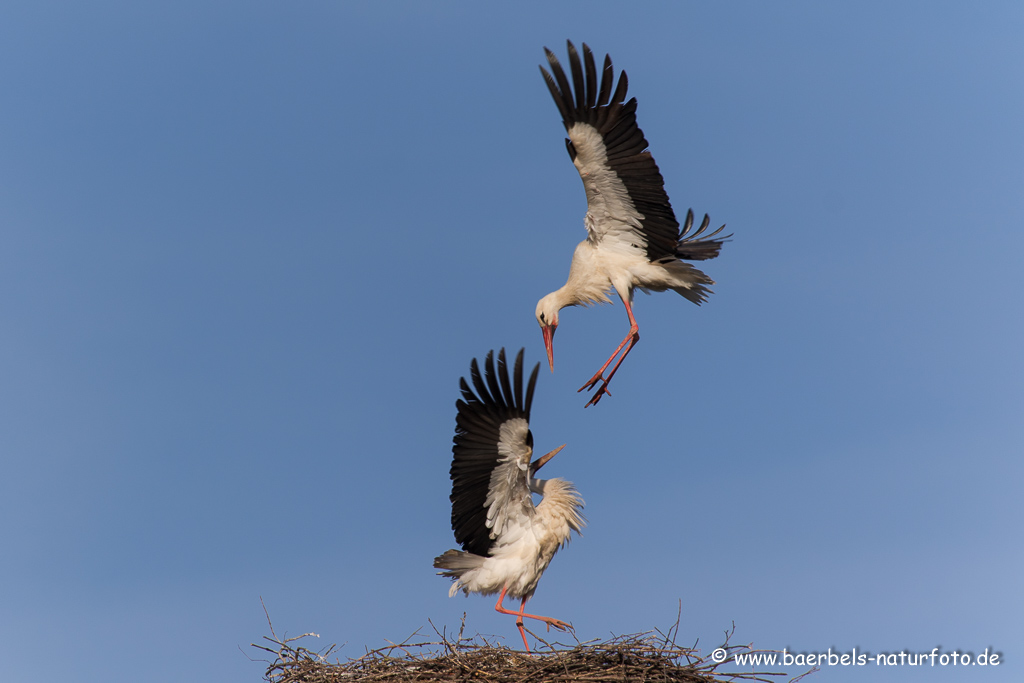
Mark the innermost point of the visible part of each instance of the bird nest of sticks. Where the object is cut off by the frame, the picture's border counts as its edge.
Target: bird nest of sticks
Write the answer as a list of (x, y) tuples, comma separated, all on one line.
[(651, 657)]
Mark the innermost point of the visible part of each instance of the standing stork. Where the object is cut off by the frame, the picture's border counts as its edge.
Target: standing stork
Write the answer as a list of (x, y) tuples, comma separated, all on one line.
[(507, 542), (633, 239)]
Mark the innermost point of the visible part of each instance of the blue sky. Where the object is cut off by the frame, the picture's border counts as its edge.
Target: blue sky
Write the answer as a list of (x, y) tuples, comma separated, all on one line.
[(248, 249)]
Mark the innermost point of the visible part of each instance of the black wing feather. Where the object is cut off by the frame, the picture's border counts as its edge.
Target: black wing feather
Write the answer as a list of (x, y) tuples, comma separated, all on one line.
[(607, 80), (506, 387), (518, 378), (577, 77), (591, 87), (492, 382), (529, 390), (563, 84), (566, 112), (478, 382), (698, 246)]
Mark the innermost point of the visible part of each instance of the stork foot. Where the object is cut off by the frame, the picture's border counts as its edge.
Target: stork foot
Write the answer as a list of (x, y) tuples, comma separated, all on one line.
[(521, 614), (557, 623), (602, 390), (549, 622), (628, 343), (592, 382)]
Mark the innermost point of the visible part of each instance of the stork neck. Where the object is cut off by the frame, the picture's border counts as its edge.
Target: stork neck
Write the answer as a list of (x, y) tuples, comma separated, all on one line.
[(588, 281), (567, 296)]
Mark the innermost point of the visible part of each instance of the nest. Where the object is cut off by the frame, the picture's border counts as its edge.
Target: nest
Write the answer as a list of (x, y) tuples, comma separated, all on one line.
[(650, 657)]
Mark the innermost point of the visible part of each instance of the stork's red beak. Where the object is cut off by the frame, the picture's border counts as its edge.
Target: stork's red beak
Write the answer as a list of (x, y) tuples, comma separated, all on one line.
[(549, 341)]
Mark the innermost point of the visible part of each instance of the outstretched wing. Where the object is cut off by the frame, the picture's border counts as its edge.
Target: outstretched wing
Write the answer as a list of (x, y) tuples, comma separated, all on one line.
[(626, 199), (492, 450)]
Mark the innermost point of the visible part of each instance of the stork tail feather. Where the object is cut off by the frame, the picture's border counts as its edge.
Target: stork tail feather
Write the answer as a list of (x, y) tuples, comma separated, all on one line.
[(458, 563)]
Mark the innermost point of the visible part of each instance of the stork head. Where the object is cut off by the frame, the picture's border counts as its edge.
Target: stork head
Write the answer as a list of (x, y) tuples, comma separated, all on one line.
[(547, 318)]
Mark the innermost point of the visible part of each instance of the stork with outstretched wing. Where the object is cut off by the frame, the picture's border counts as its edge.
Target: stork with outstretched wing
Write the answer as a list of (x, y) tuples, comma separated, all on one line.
[(507, 541), (633, 238)]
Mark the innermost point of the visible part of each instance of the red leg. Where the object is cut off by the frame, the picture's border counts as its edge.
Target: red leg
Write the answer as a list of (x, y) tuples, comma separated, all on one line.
[(519, 624), (632, 338), (557, 623)]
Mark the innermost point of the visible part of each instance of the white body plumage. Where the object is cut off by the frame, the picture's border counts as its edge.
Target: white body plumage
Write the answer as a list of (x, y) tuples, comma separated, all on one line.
[(526, 545)]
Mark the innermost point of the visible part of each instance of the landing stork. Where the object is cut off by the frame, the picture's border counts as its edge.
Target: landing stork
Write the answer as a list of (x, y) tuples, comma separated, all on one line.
[(507, 542), (633, 238)]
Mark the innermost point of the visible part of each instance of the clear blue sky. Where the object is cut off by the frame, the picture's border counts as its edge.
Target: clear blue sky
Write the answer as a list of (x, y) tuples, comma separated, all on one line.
[(247, 250)]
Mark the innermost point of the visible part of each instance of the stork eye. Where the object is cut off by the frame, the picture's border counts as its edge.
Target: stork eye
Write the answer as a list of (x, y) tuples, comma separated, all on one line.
[(542, 318)]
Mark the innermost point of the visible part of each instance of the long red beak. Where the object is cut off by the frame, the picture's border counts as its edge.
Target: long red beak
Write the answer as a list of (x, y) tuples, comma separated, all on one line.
[(549, 340)]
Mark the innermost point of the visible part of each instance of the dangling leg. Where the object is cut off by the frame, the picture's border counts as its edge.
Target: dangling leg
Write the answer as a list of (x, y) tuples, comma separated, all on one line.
[(632, 338), (557, 623)]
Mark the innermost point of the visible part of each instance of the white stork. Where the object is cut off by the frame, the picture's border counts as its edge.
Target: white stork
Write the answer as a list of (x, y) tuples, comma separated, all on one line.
[(507, 542), (633, 239)]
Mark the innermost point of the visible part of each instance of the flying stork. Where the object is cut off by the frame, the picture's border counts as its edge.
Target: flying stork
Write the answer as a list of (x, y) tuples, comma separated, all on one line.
[(633, 239), (507, 541)]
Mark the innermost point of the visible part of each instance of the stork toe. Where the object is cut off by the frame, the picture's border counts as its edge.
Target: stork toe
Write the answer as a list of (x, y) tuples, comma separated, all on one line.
[(597, 396), (592, 382), (559, 624)]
